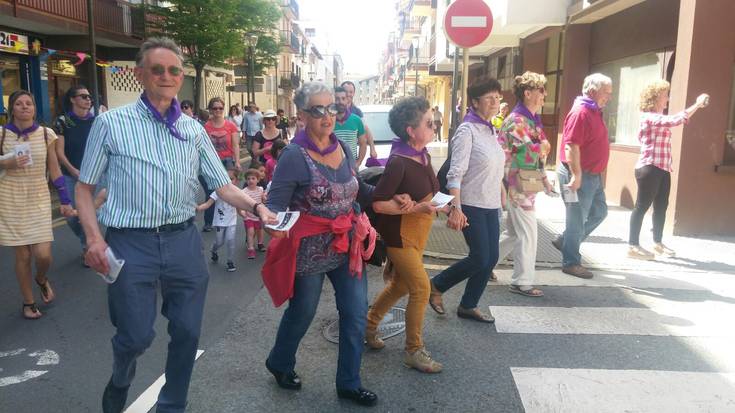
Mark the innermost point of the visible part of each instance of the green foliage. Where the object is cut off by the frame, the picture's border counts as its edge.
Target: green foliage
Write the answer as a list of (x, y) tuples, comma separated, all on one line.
[(213, 32)]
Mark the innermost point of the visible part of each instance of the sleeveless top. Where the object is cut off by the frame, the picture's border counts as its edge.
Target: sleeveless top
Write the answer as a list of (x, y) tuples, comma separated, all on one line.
[(327, 198)]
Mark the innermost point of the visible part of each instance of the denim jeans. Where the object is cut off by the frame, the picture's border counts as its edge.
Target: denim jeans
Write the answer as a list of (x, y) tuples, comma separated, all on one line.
[(351, 296), (583, 216), (209, 212), (482, 237), (73, 222), (175, 262)]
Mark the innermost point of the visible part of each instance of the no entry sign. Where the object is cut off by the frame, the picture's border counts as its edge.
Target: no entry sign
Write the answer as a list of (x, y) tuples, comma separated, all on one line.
[(468, 23)]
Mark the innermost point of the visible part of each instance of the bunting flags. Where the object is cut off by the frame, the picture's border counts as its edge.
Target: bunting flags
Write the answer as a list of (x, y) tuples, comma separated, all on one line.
[(82, 57)]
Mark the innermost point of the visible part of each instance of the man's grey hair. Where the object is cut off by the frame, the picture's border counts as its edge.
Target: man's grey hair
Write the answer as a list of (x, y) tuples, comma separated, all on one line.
[(595, 82), (309, 89), (157, 43)]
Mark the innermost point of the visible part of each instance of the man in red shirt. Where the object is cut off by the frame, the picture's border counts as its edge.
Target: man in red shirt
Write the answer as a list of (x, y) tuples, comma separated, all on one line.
[(584, 158)]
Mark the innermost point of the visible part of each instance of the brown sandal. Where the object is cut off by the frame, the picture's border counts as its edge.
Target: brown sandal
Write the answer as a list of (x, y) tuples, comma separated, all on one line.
[(34, 310), (435, 300), (47, 294)]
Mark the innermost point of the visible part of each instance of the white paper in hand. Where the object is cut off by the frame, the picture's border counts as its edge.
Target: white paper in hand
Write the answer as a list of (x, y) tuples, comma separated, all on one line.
[(24, 149), (115, 267), (569, 195), (440, 200), (285, 221)]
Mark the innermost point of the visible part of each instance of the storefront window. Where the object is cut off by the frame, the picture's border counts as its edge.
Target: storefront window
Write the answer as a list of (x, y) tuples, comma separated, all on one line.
[(10, 78), (629, 75)]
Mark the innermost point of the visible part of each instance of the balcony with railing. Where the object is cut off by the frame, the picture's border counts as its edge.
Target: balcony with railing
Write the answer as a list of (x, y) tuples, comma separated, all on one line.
[(291, 9), (289, 80), (116, 20), (421, 8), (290, 42)]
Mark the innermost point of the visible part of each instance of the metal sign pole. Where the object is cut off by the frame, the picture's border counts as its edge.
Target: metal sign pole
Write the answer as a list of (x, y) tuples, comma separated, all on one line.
[(465, 78)]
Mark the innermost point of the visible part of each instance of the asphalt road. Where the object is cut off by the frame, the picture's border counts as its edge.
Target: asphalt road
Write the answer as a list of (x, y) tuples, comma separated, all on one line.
[(77, 328)]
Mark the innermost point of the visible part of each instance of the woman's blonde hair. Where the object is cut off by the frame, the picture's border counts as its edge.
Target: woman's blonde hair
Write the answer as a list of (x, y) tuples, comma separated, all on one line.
[(651, 93), (527, 81)]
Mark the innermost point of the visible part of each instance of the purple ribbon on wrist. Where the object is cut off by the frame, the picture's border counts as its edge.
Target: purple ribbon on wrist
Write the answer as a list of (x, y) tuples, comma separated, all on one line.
[(60, 185)]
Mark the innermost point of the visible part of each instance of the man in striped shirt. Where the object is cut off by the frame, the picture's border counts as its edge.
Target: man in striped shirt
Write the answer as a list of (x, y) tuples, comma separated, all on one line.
[(349, 127), (151, 156)]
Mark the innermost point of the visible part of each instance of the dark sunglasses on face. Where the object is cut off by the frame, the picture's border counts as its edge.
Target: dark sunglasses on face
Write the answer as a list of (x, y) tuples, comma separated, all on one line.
[(274, 118), (320, 111), (217, 108), (84, 96), (159, 70), (185, 107)]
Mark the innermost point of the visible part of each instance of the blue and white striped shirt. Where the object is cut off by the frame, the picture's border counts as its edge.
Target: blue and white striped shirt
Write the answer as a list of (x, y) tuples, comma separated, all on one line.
[(151, 175)]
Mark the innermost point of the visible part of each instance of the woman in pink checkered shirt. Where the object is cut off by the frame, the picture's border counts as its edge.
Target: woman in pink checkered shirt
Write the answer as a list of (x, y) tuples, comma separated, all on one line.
[(653, 170)]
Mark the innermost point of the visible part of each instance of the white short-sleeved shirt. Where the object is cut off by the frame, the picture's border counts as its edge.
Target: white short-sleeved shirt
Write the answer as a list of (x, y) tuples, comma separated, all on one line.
[(225, 215)]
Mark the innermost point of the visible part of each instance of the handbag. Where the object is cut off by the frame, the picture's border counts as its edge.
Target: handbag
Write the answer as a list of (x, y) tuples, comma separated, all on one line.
[(531, 180)]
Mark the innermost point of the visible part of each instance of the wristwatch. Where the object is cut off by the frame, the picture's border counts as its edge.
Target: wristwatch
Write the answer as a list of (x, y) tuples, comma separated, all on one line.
[(255, 209)]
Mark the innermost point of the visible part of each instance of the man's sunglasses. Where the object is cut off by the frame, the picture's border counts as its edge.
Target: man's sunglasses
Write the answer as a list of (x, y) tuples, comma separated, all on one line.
[(84, 96), (159, 70), (320, 111)]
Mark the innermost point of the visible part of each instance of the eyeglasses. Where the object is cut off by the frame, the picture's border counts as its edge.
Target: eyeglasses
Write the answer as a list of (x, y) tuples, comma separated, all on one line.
[(320, 111), (273, 118), (213, 108), (159, 70), (84, 96)]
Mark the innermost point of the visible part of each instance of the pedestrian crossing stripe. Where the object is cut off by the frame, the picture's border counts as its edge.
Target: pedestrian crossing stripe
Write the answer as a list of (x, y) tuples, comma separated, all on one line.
[(546, 390)]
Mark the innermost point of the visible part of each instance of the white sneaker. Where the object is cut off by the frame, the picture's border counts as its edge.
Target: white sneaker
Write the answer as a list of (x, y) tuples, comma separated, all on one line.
[(639, 253), (662, 249)]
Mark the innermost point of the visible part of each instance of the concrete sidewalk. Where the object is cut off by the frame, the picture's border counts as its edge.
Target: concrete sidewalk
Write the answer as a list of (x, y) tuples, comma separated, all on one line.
[(606, 248)]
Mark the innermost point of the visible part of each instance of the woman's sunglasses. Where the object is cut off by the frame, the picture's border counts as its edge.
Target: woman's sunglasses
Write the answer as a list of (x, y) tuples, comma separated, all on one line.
[(84, 96), (320, 111), (273, 118), (217, 108)]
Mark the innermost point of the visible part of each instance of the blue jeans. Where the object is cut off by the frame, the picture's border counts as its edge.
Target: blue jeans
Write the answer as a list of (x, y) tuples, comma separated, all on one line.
[(209, 212), (583, 216), (175, 262), (351, 296), (482, 237), (73, 222)]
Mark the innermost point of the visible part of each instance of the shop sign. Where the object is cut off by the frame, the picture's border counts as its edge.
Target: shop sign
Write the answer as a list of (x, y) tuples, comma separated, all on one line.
[(13, 43)]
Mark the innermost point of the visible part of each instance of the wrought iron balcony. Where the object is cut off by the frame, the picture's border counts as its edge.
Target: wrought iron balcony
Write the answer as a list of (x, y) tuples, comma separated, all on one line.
[(289, 81)]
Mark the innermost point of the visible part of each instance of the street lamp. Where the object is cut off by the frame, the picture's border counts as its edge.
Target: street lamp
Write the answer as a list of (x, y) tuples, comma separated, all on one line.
[(252, 41)]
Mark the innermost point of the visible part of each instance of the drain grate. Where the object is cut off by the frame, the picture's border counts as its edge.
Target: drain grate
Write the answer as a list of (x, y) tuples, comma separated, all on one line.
[(393, 323)]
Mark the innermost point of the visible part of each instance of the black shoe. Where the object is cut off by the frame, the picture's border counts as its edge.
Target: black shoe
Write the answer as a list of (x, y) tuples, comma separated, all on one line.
[(114, 398), (214, 257), (360, 396), (207, 228), (231, 266), (261, 247), (288, 381)]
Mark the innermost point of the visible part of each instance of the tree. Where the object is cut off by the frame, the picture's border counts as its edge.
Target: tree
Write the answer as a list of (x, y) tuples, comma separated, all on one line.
[(212, 32)]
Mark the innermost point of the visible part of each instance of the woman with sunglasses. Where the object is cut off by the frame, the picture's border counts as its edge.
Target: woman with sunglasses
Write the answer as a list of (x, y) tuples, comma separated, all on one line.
[(225, 137), (25, 202), (320, 182), (524, 142), (475, 179), (264, 139), (72, 129)]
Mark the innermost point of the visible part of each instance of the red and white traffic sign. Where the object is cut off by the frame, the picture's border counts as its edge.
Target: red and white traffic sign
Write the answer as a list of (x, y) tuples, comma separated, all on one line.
[(468, 23)]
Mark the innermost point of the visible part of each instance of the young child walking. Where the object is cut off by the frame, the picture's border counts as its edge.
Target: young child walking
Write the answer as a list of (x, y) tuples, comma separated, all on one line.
[(252, 223), (224, 223)]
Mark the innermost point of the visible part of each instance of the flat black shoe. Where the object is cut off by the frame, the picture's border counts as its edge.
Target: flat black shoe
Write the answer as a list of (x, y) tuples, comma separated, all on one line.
[(114, 398), (360, 396), (288, 381)]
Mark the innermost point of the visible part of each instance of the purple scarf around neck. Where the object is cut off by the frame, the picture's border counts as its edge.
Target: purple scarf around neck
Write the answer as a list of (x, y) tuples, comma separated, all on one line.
[(398, 147), (521, 109), (22, 134), (587, 102), (172, 115), (302, 139), (473, 117), (73, 115)]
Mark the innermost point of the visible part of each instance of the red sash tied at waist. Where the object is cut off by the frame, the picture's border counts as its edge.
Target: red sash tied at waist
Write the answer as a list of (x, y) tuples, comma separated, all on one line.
[(279, 270)]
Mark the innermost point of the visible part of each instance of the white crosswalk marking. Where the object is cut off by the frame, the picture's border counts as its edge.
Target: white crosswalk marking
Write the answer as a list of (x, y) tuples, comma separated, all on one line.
[(546, 390)]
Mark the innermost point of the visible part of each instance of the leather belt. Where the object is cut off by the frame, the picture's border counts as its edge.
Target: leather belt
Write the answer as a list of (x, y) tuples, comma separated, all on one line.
[(163, 228)]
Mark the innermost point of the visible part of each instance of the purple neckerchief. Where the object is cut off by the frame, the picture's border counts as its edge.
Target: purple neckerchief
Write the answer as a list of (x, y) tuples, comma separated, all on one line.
[(398, 147), (521, 109), (73, 115), (21, 133), (587, 102), (473, 117), (172, 115), (348, 112), (302, 139)]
